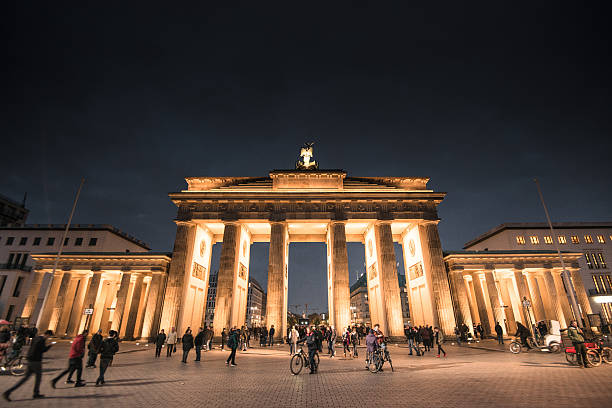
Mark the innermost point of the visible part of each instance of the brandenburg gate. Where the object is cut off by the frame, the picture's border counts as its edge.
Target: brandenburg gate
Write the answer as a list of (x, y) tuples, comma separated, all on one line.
[(307, 204)]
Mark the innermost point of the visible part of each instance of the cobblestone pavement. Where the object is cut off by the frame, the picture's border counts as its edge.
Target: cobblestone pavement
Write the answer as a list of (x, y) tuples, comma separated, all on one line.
[(467, 377)]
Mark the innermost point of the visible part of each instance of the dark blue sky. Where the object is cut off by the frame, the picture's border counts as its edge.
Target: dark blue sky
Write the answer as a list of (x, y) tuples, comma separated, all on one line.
[(134, 98)]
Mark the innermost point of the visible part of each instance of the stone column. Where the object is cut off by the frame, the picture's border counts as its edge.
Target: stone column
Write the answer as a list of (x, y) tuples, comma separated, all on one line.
[(91, 294), (581, 295), (134, 303), (473, 304), (149, 328), (562, 296), (121, 301), (146, 288), (180, 265), (76, 314), (69, 299), (339, 275), (549, 311), (57, 302), (498, 313), (461, 295), (30, 302), (225, 278), (433, 260), (554, 299), (276, 278), (505, 294), (537, 304), (480, 302), (523, 292)]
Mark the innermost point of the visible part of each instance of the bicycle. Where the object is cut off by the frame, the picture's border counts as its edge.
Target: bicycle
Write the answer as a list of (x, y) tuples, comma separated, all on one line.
[(516, 346), (596, 353), (378, 357), (14, 364), (300, 359)]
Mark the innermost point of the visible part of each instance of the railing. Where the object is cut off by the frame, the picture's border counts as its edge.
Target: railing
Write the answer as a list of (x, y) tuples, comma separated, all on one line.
[(13, 266)]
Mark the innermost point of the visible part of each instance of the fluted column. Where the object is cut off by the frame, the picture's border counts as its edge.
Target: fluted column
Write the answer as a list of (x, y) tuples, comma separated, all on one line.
[(122, 293), (508, 312), (93, 285), (581, 295), (32, 297), (480, 302), (523, 292), (461, 295), (57, 302), (554, 299), (537, 303), (225, 277), (434, 264), (472, 301), (149, 328), (133, 306), (180, 265), (276, 278), (77, 307), (562, 296), (64, 314), (498, 313)]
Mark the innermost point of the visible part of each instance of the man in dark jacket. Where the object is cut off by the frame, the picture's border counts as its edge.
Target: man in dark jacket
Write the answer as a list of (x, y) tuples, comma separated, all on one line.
[(199, 342), (93, 349), (160, 339), (522, 332), (232, 343), (187, 341), (208, 336), (313, 346), (107, 352), (271, 336), (75, 362), (500, 333), (34, 357)]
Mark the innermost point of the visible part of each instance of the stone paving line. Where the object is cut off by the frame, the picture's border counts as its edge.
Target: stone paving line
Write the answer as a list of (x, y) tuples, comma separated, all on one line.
[(467, 377)]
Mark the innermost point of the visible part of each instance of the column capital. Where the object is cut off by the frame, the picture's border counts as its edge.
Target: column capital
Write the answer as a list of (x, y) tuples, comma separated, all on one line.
[(185, 223), (277, 216), (383, 221), (519, 267), (336, 221), (489, 267)]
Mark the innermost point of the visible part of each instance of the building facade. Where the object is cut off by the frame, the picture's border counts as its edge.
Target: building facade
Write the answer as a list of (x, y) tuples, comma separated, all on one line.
[(592, 240), (360, 308), (12, 212)]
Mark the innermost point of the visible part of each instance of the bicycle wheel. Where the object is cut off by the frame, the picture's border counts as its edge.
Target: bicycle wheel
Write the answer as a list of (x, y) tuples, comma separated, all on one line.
[(296, 364), (515, 347), (571, 358), (316, 359), (389, 360), (606, 355), (16, 367), (593, 358), (374, 364), (554, 347)]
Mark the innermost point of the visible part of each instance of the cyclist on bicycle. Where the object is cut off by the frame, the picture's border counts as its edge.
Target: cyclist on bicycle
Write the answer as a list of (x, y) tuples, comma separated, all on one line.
[(313, 346), (380, 341), (371, 345)]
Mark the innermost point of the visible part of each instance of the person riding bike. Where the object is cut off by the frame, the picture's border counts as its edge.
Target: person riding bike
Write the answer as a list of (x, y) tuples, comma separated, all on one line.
[(522, 332), (380, 341), (311, 341)]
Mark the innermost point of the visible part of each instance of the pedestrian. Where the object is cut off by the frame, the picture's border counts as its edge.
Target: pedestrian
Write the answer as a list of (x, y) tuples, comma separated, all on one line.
[(425, 336), (93, 348), (208, 337), (311, 342), (331, 342), (75, 362), (576, 335), (346, 342), (160, 339), (271, 336), (500, 333), (439, 339), (371, 345), (480, 331), (294, 336), (354, 340), (38, 346), (458, 335), (198, 342), (107, 353), (171, 342), (232, 343), (223, 339), (411, 334), (187, 341)]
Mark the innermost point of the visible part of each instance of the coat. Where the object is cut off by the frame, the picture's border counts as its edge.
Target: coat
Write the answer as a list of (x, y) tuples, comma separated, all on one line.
[(160, 339), (109, 348), (95, 343), (199, 339), (77, 350), (371, 342), (37, 348), (171, 339), (187, 341)]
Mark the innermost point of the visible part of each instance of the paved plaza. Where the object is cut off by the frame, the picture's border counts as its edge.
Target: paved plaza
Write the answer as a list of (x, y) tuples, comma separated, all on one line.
[(475, 376)]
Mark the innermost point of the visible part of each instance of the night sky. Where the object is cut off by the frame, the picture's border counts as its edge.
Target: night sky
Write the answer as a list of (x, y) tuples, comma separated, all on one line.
[(135, 98)]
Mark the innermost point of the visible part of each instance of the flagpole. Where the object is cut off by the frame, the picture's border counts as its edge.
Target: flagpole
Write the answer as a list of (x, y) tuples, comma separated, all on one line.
[(565, 274)]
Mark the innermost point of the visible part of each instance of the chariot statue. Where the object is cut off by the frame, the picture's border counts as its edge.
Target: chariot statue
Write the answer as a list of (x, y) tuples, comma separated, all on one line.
[(306, 162)]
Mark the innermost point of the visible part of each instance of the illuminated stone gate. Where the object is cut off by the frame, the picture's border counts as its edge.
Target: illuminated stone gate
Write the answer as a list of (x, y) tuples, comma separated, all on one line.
[(307, 205)]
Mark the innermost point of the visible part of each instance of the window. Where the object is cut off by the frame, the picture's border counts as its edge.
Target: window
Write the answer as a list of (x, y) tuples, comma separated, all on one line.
[(594, 260), (23, 261), (602, 261), (534, 239), (596, 284), (520, 240), (10, 261), (23, 240), (562, 239), (50, 241), (93, 241), (17, 290), (17, 260), (36, 241), (603, 284), (2, 283), (548, 239), (66, 241), (600, 239), (607, 278), (10, 240), (9, 314), (588, 239), (78, 242), (575, 239), (588, 261)]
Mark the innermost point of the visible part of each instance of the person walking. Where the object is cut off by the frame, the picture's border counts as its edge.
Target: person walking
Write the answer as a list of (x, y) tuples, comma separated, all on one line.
[(576, 335), (171, 342), (331, 342), (346, 342), (160, 339), (294, 336), (198, 342), (439, 339), (371, 345), (354, 340), (93, 348), (458, 335), (187, 341), (425, 336), (38, 346), (208, 337), (271, 336), (500, 333), (232, 343), (109, 347), (223, 339), (75, 362), (411, 334)]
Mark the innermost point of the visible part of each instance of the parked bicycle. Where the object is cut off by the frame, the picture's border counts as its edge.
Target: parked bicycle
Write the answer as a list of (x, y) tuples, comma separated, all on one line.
[(13, 363), (596, 353), (377, 359), (300, 359)]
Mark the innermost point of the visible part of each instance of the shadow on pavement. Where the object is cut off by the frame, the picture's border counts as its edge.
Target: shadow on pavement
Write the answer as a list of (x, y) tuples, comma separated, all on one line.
[(73, 397)]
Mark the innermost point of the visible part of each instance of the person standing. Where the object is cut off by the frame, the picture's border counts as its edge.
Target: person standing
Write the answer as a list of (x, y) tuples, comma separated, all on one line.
[(425, 336), (294, 336), (354, 340), (500, 333), (75, 362), (371, 345), (109, 347), (160, 339), (187, 341), (439, 338), (223, 339), (576, 335), (208, 336), (411, 338), (458, 335), (93, 348), (198, 342), (480, 331), (346, 342), (232, 343), (271, 336), (171, 342), (34, 357), (331, 341), (311, 342)]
